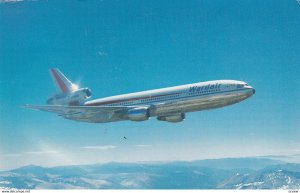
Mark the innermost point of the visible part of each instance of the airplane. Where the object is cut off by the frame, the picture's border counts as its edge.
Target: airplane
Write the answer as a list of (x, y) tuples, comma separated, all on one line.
[(166, 104)]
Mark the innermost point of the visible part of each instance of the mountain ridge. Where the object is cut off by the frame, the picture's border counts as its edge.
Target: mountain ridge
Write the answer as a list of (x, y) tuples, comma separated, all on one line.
[(227, 173)]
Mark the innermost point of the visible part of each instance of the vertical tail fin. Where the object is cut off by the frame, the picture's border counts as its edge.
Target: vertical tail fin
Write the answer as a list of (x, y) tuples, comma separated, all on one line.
[(62, 82)]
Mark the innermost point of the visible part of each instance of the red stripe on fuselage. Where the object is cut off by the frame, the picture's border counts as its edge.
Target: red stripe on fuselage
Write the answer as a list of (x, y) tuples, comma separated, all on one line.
[(125, 100), (61, 84)]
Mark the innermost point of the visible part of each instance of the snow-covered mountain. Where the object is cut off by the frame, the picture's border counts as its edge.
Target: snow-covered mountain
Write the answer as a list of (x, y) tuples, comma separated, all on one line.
[(234, 173), (285, 176)]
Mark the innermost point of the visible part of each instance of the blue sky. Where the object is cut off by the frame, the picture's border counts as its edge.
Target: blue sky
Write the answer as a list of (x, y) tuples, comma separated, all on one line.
[(116, 47)]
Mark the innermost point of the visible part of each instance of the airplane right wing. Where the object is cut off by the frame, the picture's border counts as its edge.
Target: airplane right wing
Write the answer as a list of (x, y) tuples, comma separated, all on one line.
[(96, 114)]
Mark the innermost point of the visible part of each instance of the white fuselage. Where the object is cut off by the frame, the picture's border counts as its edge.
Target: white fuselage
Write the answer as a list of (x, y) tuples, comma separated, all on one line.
[(181, 99), (167, 104)]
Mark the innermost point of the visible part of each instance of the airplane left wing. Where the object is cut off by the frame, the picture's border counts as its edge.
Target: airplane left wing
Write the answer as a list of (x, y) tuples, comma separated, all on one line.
[(87, 113)]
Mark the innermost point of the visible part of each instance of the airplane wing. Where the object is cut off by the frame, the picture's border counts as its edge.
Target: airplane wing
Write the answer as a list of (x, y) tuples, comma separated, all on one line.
[(86, 113)]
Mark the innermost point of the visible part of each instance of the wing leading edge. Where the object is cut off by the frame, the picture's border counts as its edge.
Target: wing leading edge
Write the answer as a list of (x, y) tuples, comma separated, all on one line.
[(95, 114)]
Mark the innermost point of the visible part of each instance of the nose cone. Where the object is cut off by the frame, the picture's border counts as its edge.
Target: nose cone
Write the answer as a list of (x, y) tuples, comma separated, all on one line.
[(253, 91)]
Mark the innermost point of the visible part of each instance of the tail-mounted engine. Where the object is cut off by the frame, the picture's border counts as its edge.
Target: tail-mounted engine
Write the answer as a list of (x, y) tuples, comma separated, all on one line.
[(74, 98)]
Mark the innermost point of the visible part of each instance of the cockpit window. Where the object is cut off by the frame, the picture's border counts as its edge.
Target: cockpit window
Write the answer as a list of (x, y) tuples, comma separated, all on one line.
[(240, 86)]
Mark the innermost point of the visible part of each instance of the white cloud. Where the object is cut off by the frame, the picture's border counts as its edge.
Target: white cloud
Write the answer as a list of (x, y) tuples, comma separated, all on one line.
[(143, 146), (104, 147), (32, 153), (8, 1), (13, 155), (100, 53), (42, 152), (14, 1)]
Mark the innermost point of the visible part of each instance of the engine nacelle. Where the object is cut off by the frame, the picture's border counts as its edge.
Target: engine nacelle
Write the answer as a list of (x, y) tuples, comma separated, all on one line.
[(172, 118), (74, 98), (138, 114)]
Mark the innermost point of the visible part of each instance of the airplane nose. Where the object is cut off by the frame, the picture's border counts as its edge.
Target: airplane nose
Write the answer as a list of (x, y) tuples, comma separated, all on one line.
[(253, 90)]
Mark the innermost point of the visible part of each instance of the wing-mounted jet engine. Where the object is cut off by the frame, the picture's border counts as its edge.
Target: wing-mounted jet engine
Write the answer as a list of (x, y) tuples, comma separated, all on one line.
[(175, 118), (69, 93)]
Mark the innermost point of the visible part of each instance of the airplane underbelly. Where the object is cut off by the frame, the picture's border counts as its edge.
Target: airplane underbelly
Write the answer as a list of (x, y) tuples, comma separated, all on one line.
[(200, 103)]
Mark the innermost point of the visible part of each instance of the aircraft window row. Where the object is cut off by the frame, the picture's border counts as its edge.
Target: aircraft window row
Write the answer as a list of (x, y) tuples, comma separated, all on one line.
[(204, 92), (123, 103), (153, 99), (126, 103)]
